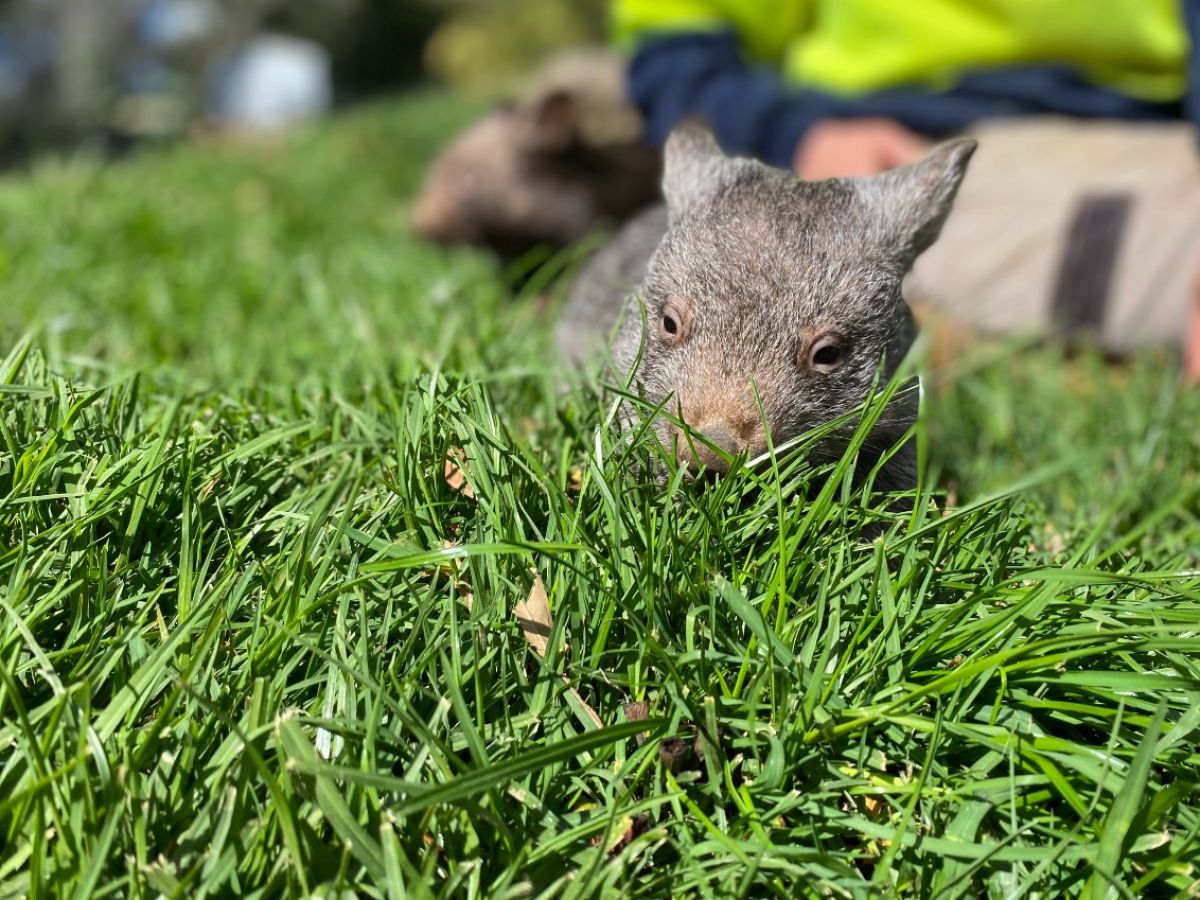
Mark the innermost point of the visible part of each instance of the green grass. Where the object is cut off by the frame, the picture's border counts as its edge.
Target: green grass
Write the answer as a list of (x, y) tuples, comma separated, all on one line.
[(253, 643)]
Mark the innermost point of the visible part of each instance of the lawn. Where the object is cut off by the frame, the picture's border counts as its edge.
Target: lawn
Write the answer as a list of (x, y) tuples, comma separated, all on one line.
[(259, 637)]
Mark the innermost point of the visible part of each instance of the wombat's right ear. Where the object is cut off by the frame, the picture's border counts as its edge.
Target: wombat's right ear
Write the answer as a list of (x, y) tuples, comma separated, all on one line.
[(692, 165), (916, 199)]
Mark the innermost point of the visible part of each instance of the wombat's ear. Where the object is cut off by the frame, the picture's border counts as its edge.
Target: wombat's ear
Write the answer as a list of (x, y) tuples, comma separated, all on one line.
[(692, 165), (555, 117), (916, 199)]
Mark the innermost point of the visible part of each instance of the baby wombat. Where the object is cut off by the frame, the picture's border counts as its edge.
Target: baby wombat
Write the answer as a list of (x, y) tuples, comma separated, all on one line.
[(545, 170), (765, 297)]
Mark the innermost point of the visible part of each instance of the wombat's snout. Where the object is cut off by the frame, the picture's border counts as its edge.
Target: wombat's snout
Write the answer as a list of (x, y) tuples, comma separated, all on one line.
[(694, 452), (434, 217)]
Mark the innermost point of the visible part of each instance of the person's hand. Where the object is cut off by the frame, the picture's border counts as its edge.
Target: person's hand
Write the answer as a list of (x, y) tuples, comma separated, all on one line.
[(1191, 339), (840, 148)]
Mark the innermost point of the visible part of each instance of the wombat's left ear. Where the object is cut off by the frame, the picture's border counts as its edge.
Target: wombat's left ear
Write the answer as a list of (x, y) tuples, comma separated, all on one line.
[(916, 199), (692, 165), (556, 118)]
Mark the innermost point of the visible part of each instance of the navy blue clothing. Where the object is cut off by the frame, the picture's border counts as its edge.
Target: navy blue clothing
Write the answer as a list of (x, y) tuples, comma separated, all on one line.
[(753, 113), (1191, 20)]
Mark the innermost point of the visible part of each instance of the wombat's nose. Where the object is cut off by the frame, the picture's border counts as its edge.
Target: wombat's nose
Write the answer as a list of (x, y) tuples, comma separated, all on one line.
[(697, 452), (434, 219)]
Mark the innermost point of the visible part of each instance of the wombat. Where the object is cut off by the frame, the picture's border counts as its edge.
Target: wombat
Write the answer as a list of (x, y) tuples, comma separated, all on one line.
[(545, 170), (765, 298)]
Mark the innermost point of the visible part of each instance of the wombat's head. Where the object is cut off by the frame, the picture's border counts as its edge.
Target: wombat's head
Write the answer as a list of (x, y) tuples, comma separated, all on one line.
[(775, 299), (524, 175)]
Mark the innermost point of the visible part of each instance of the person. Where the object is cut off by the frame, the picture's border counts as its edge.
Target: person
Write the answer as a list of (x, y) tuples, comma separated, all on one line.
[(1081, 214)]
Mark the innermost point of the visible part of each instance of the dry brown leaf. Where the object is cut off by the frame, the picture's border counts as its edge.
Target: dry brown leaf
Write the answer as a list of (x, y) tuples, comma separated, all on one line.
[(874, 806), (533, 614), (455, 473), (637, 711)]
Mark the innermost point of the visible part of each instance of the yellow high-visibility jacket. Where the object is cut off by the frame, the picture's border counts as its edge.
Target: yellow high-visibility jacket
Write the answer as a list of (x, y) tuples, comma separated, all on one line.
[(1138, 47), (763, 71)]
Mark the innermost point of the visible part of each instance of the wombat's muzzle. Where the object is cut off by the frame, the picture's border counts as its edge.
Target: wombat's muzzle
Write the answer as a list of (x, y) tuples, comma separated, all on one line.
[(710, 445)]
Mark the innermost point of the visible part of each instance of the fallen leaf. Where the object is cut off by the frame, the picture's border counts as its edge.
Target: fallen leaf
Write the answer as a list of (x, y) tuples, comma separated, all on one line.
[(455, 472), (636, 712), (533, 614)]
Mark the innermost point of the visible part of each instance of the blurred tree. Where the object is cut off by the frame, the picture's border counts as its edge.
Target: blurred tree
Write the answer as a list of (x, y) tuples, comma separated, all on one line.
[(124, 70), (486, 46)]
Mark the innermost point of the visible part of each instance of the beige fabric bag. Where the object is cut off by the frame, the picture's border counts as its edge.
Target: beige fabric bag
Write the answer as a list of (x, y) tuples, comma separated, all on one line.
[(1065, 228)]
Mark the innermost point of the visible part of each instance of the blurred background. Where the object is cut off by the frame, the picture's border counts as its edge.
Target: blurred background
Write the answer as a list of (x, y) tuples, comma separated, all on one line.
[(519, 126), (111, 73)]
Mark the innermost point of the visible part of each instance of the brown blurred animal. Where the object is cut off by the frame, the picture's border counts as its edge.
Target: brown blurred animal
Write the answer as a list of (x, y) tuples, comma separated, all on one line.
[(546, 169)]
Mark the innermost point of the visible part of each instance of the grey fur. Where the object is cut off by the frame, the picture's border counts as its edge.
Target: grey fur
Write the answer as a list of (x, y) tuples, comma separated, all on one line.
[(756, 264)]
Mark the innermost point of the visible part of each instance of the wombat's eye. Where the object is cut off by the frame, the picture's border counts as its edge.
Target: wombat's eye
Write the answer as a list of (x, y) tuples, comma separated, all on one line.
[(672, 324), (826, 353)]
